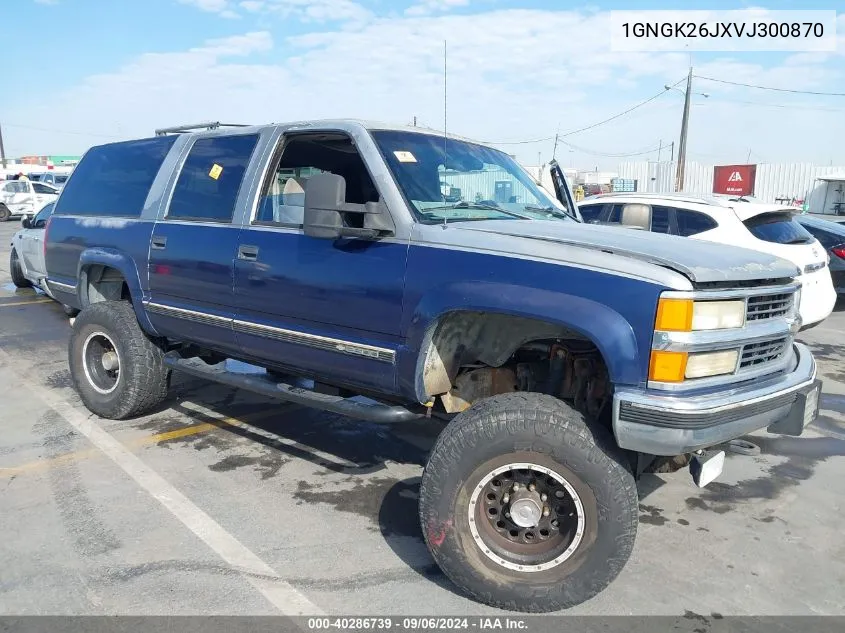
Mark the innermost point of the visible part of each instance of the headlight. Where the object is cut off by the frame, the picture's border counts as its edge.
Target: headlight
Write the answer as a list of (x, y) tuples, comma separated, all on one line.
[(686, 315), (679, 366)]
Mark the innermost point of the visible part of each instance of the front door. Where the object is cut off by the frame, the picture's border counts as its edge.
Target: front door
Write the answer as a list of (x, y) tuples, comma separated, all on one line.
[(332, 308), (193, 247), (32, 242)]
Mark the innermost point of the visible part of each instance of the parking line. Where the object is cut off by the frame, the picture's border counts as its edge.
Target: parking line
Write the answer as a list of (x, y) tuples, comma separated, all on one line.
[(281, 594), (186, 431), (25, 303)]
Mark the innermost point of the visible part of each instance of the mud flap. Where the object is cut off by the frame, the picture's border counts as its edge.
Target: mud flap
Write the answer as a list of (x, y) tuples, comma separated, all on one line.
[(804, 411)]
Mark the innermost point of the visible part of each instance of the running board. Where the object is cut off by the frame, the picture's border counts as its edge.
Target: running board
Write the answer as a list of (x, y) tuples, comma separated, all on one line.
[(375, 412)]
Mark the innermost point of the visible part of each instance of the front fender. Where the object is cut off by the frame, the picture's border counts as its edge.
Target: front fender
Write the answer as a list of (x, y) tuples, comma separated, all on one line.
[(123, 263), (612, 334)]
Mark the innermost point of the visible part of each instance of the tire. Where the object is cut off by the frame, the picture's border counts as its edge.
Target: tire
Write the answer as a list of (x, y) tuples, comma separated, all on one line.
[(70, 311), (17, 272), (105, 333), (535, 429), (5, 214)]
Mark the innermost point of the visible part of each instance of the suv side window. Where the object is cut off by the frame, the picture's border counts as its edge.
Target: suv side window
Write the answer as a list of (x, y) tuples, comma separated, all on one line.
[(693, 222), (282, 200), (591, 212), (211, 177), (659, 219)]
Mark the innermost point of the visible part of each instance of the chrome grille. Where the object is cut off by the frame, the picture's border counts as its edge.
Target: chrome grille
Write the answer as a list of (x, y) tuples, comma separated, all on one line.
[(756, 354), (763, 307)]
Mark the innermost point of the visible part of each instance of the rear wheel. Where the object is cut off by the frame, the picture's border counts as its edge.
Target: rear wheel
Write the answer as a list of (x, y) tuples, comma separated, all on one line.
[(526, 507), (17, 271), (117, 369), (5, 214)]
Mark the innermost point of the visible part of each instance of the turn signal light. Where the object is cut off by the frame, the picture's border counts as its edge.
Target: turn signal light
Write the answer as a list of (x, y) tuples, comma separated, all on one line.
[(674, 315), (667, 366)]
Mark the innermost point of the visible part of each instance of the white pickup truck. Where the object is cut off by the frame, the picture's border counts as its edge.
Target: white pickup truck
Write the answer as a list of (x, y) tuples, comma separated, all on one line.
[(24, 197)]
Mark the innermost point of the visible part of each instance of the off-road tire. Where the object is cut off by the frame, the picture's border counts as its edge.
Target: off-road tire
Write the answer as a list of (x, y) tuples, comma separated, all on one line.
[(536, 428), (17, 272), (5, 214), (143, 379)]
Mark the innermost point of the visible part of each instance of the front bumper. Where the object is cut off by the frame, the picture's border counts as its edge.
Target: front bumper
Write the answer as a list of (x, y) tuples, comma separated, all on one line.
[(675, 424)]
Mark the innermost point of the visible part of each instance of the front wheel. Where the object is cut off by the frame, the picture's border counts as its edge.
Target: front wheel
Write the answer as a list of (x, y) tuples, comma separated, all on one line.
[(117, 369), (16, 271), (5, 214), (525, 506)]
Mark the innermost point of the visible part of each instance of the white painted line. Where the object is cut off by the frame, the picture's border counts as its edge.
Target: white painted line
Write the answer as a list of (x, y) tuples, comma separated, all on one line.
[(281, 594)]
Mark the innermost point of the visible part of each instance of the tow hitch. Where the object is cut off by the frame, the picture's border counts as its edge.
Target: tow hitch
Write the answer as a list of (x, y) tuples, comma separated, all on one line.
[(706, 465)]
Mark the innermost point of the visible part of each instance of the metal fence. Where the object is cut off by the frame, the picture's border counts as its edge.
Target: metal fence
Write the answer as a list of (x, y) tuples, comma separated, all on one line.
[(787, 183)]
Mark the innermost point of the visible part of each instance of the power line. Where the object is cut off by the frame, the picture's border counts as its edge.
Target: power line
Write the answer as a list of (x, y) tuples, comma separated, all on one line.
[(623, 113), (535, 140), (802, 92), (611, 155), (775, 105)]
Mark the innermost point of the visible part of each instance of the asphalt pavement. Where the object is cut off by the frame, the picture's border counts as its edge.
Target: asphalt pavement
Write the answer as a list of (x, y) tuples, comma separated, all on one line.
[(222, 502)]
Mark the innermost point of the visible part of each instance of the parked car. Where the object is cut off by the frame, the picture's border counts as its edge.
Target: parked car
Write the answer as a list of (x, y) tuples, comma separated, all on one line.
[(565, 356), (24, 197), (54, 179), (831, 235), (764, 227), (26, 260)]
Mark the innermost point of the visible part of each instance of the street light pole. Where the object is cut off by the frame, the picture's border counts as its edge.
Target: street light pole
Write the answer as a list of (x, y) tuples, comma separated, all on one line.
[(682, 145)]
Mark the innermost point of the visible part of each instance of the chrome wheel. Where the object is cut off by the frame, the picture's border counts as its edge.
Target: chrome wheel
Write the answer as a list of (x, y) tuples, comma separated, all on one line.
[(526, 517), (101, 362)]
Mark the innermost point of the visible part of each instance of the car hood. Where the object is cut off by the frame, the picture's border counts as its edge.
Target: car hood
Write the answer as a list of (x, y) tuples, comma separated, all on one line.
[(700, 261)]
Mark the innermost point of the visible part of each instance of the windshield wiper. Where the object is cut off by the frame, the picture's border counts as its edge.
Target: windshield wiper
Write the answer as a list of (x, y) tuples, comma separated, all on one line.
[(550, 210), (476, 205)]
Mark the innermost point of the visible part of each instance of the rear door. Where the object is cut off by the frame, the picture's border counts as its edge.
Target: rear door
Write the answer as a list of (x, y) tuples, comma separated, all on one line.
[(42, 194), (193, 246), (17, 196)]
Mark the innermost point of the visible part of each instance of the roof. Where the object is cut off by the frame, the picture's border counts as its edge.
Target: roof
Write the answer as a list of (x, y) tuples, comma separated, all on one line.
[(824, 225), (744, 208), (840, 177)]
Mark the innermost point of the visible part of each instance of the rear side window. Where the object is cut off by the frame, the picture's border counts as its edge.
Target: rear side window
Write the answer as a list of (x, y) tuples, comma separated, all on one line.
[(692, 222), (39, 188), (659, 220), (778, 228), (114, 179), (209, 182)]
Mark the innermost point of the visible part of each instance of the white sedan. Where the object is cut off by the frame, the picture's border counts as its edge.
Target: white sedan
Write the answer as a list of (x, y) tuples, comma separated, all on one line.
[(26, 260), (759, 226)]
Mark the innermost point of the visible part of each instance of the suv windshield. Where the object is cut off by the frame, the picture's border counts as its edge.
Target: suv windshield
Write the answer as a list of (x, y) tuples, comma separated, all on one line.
[(472, 183)]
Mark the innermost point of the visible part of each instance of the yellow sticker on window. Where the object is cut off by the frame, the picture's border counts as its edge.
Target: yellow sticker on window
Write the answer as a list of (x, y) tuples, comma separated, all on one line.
[(404, 157), (215, 171)]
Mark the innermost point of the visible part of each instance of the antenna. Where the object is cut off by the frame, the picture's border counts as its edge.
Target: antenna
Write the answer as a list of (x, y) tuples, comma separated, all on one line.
[(445, 150)]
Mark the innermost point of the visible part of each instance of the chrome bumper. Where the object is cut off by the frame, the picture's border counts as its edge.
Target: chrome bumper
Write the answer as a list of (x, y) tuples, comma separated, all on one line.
[(674, 424)]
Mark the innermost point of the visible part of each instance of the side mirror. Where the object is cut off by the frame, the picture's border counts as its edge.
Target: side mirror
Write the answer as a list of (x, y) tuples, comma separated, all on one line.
[(326, 209), (637, 216), (26, 222)]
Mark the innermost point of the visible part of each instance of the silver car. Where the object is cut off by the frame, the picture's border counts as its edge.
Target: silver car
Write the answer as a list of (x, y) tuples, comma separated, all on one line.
[(26, 260)]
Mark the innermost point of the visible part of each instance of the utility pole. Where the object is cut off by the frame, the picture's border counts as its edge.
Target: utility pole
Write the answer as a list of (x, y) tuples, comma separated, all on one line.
[(659, 147), (2, 149), (554, 151), (415, 121), (672, 153), (682, 145)]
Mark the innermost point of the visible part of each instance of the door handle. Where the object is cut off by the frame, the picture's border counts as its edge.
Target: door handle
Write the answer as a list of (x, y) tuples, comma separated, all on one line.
[(249, 253), (159, 243)]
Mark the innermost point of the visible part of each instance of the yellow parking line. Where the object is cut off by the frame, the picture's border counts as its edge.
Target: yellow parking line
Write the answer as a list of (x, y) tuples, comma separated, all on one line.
[(187, 431), (25, 303)]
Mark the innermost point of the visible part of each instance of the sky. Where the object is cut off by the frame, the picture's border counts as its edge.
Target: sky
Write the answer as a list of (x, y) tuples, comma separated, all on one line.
[(518, 72)]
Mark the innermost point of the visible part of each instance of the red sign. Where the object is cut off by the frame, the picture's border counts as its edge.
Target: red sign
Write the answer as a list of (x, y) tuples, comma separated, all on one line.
[(736, 180)]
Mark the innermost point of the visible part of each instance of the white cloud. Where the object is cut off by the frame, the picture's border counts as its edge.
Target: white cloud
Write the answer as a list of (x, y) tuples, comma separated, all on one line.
[(512, 75), (253, 6), (426, 7), (47, 2)]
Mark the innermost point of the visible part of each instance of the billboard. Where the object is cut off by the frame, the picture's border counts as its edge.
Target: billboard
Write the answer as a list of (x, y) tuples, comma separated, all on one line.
[(735, 180)]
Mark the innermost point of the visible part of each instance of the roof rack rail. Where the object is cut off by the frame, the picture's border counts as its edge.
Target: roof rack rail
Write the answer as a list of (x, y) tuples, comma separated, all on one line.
[(208, 125)]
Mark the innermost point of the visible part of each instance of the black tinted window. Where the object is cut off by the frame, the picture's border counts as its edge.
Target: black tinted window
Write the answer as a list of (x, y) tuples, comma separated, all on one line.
[(41, 219), (780, 228), (692, 222), (114, 179), (591, 212), (615, 215), (659, 220), (40, 188), (209, 182)]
